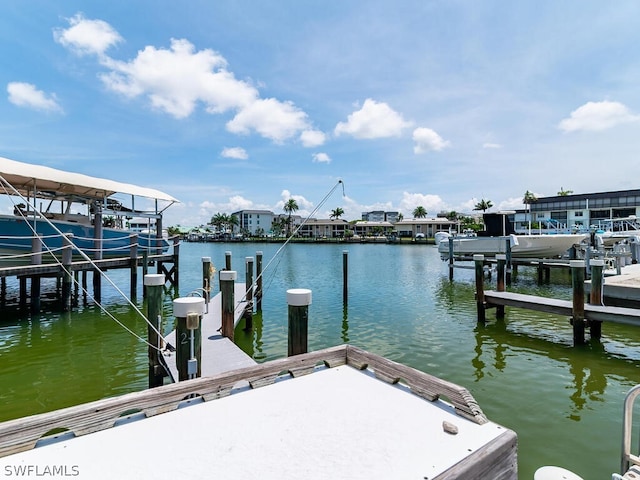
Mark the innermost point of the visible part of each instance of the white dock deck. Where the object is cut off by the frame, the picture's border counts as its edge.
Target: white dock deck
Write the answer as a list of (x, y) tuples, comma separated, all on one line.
[(219, 354)]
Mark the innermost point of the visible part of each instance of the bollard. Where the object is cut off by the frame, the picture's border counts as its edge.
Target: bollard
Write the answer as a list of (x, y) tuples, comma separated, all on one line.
[(227, 260), (206, 279), (450, 258), (259, 281), (595, 296), (510, 268), (298, 300), (248, 311), (67, 276), (502, 260), (577, 282), (188, 312), (153, 284), (227, 287), (345, 277), (478, 260), (133, 258), (36, 259)]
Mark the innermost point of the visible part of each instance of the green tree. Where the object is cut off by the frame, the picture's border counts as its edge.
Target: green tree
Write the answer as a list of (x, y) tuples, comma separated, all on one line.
[(483, 205), (419, 212), (289, 208), (564, 193), (337, 213), (528, 199)]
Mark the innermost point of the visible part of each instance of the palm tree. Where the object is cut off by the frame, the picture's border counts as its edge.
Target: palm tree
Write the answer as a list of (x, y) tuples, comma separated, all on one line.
[(419, 212), (528, 199), (289, 207), (337, 213), (564, 193), (483, 205)]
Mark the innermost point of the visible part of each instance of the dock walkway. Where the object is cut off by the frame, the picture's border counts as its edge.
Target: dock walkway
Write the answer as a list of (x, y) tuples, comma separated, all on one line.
[(219, 354)]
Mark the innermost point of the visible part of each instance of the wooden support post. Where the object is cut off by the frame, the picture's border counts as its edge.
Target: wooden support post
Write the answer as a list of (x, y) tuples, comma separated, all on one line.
[(133, 256), (345, 277), (508, 260), (227, 287), (595, 296), (259, 281), (188, 312), (577, 282), (479, 268), (206, 280), (23, 293), (248, 311), (84, 286), (540, 271), (450, 258), (176, 263), (298, 300), (502, 260), (145, 262), (67, 275), (36, 259), (227, 260), (153, 284)]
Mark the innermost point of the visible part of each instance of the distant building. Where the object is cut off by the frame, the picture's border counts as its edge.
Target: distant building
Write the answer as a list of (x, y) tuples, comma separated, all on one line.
[(425, 226), (255, 222), (323, 228), (367, 228), (380, 216)]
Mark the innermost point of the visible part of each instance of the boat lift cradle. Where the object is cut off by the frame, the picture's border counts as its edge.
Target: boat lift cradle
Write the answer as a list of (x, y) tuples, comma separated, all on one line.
[(630, 463)]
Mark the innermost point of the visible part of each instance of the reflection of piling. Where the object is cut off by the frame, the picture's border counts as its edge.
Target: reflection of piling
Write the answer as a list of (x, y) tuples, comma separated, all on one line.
[(153, 284), (298, 300), (227, 286), (188, 312), (595, 295), (577, 282), (248, 311), (478, 260), (345, 277), (259, 282)]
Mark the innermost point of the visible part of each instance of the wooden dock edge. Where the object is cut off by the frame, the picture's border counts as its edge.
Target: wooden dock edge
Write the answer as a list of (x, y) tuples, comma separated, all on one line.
[(23, 433)]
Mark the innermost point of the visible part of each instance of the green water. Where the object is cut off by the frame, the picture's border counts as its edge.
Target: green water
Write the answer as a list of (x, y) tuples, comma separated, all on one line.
[(564, 403)]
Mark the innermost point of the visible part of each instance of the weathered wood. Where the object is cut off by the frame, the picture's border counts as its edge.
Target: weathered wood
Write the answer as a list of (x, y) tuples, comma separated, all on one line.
[(227, 281), (248, 311), (153, 284), (345, 277), (478, 261), (577, 314), (595, 295), (502, 260), (298, 300), (188, 312), (259, 281)]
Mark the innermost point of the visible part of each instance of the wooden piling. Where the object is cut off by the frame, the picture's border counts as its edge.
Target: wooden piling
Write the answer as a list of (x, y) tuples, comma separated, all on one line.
[(227, 286), (450, 258), (479, 269), (36, 259), (97, 255), (133, 256), (345, 277), (577, 282), (298, 300), (227, 260), (67, 275), (206, 278), (248, 311), (259, 281), (500, 271), (595, 295), (188, 312), (153, 284), (508, 257)]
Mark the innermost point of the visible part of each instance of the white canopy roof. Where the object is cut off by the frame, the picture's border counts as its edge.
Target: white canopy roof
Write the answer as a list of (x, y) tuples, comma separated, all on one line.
[(25, 176)]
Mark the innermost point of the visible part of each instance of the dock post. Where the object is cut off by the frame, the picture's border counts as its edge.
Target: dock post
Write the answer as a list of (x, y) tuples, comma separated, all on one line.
[(248, 311), (97, 255), (501, 259), (595, 296), (153, 283), (508, 260), (176, 262), (227, 287), (478, 260), (345, 277), (298, 300), (36, 259), (577, 282), (67, 275), (206, 280), (227, 260), (259, 281), (188, 312), (133, 258), (450, 258)]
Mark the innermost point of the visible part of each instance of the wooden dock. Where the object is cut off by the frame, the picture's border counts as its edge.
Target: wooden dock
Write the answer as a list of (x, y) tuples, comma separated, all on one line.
[(219, 354)]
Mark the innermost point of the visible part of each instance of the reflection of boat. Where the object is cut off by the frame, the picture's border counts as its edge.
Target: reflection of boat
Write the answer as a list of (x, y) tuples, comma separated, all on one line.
[(522, 246), (75, 204)]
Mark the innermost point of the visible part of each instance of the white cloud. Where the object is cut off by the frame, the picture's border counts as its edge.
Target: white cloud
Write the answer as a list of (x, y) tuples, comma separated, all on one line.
[(597, 116), (235, 152), (271, 118), (492, 145), (321, 158), (27, 95), (312, 138), (305, 207), (373, 120), (431, 203), (87, 36), (426, 140)]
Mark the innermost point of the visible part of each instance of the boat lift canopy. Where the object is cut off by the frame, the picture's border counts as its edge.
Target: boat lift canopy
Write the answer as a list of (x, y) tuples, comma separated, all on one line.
[(26, 178)]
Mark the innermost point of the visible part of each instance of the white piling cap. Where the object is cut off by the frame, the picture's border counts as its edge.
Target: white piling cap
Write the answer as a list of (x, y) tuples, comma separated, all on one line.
[(477, 257), (226, 275), (554, 473), (248, 259), (576, 263), (501, 256), (299, 297), (186, 305), (597, 262), (206, 259), (154, 279)]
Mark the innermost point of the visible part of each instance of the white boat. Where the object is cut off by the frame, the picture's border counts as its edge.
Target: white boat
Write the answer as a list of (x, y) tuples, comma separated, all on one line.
[(521, 246), (89, 208), (616, 230)]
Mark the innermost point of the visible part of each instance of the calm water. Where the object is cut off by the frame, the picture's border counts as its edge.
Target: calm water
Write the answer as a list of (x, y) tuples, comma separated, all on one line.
[(565, 403)]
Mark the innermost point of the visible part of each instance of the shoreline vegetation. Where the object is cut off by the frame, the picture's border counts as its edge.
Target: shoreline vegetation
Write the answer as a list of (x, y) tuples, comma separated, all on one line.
[(351, 240)]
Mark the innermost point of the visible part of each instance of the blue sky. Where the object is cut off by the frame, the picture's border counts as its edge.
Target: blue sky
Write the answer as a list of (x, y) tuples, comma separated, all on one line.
[(237, 104)]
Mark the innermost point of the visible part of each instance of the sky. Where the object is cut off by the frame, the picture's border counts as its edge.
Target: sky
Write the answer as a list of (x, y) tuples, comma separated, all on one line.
[(243, 104)]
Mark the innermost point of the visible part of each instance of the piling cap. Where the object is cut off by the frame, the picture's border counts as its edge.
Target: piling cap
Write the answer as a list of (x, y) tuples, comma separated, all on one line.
[(299, 297), (206, 259), (226, 275), (501, 256), (554, 473), (477, 257), (597, 262), (186, 305), (154, 279), (576, 263)]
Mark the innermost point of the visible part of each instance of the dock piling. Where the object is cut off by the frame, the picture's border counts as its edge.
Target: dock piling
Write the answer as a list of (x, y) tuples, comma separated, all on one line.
[(248, 311), (153, 283), (298, 300), (227, 286), (133, 255), (345, 277), (501, 258), (36, 259), (478, 260), (206, 279), (577, 282), (259, 281), (595, 295), (188, 312), (67, 275)]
